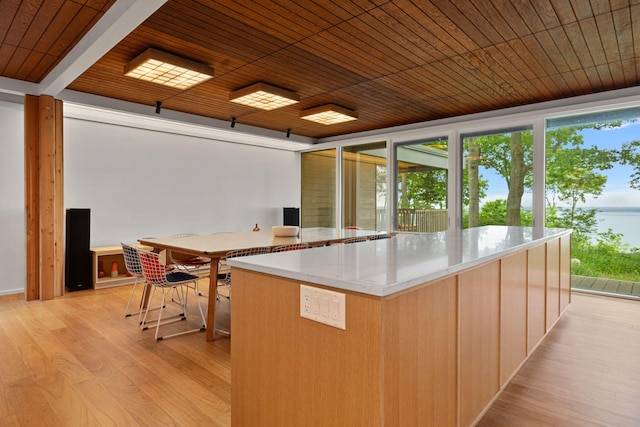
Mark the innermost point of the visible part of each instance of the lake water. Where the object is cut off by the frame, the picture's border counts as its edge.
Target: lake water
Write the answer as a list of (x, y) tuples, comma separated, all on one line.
[(625, 221)]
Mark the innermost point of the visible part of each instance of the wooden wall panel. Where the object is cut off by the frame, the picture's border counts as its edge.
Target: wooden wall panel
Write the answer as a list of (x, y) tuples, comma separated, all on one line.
[(59, 202), (286, 368), (44, 199), (536, 259), (565, 272), (553, 283), (479, 339), (32, 195), (419, 356), (513, 314)]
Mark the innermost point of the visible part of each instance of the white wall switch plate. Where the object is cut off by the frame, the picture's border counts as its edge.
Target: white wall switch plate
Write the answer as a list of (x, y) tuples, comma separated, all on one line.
[(324, 306)]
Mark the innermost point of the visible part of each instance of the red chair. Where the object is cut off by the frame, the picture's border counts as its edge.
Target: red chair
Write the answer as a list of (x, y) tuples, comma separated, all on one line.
[(156, 275)]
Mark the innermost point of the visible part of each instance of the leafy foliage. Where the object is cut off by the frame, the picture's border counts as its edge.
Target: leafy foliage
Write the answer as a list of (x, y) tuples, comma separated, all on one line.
[(495, 213), (629, 155), (607, 258), (423, 190)]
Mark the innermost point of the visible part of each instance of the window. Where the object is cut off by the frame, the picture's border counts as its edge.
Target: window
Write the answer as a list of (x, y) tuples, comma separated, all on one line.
[(318, 199), (364, 189), (592, 164), (422, 176), (497, 177)]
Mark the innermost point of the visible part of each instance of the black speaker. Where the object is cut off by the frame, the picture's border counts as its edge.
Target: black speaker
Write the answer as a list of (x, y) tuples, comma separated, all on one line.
[(77, 256), (291, 216)]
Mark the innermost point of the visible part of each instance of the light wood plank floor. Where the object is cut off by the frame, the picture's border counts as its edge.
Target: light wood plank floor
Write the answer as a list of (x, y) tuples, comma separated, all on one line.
[(76, 361), (585, 373)]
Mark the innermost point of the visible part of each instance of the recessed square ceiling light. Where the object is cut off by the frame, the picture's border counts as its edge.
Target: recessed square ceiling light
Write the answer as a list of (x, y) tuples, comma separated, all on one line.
[(264, 96), (160, 67), (329, 114)]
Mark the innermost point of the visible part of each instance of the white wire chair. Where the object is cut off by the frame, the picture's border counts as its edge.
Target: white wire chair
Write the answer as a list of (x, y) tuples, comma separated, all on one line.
[(353, 240), (199, 266), (156, 275), (290, 247), (134, 268), (379, 237), (225, 280)]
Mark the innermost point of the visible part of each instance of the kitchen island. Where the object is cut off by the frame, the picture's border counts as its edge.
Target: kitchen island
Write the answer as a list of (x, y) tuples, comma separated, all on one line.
[(435, 325)]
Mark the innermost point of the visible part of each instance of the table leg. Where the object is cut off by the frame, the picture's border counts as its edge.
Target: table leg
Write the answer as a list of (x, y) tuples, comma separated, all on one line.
[(211, 311)]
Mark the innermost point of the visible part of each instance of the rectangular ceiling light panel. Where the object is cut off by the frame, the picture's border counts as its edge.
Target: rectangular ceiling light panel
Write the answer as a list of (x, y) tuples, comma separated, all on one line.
[(329, 114), (170, 70), (264, 96)]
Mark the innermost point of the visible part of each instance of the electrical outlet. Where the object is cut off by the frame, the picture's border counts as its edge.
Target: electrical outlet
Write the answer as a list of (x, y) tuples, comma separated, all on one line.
[(324, 306)]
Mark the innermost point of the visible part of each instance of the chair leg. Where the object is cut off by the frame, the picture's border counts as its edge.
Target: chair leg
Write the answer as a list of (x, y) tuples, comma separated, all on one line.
[(144, 311), (144, 325), (133, 291), (183, 297), (202, 316), (143, 322), (216, 330)]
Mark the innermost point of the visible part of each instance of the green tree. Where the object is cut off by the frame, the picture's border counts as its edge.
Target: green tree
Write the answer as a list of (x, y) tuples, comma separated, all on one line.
[(629, 155), (574, 172), (423, 190), (495, 213), (510, 155)]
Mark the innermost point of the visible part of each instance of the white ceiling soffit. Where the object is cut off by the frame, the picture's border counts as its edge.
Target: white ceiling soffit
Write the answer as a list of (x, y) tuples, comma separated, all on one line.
[(143, 117), (120, 20), (17, 87)]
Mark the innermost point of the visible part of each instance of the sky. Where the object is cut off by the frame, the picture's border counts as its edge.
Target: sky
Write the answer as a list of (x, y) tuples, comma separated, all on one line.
[(617, 192)]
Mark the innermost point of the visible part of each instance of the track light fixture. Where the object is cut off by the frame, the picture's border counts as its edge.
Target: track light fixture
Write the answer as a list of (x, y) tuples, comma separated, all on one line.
[(233, 122), (158, 107)]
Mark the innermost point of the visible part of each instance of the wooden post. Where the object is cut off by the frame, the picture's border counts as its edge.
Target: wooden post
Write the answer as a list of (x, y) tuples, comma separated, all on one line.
[(44, 197)]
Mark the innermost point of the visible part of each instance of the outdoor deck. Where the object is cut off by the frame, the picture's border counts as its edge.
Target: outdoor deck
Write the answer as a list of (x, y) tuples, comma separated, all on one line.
[(595, 284)]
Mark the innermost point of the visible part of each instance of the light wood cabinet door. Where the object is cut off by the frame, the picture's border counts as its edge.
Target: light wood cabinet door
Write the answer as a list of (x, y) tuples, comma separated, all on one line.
[(536, 296), (479, 339), (513, 314), (553, 283)]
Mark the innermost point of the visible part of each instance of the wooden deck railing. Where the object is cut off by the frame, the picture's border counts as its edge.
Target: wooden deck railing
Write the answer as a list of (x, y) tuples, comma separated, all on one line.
[(422, 220)]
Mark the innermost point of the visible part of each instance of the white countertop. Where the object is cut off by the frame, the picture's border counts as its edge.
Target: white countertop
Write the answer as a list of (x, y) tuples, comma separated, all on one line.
[(384, 267)]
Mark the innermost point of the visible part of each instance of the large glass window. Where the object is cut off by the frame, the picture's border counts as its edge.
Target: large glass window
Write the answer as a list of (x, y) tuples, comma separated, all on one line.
[(422, 176), (497, 177), (364, 188), (318, 186), (592, 171)]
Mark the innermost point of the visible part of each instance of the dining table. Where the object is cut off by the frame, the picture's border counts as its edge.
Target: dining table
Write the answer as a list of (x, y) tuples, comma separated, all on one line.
[(215, 247)]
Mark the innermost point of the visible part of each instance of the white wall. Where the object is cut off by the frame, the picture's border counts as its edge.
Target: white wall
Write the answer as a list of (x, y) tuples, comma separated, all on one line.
[(143, 183), (12, 213)]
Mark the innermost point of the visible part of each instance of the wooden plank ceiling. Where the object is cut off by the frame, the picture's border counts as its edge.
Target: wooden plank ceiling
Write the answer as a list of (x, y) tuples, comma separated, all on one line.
[(393, 61)]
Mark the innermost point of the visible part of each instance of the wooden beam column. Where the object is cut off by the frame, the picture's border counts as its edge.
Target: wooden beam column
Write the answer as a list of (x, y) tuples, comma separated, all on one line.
[(44, 197)]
